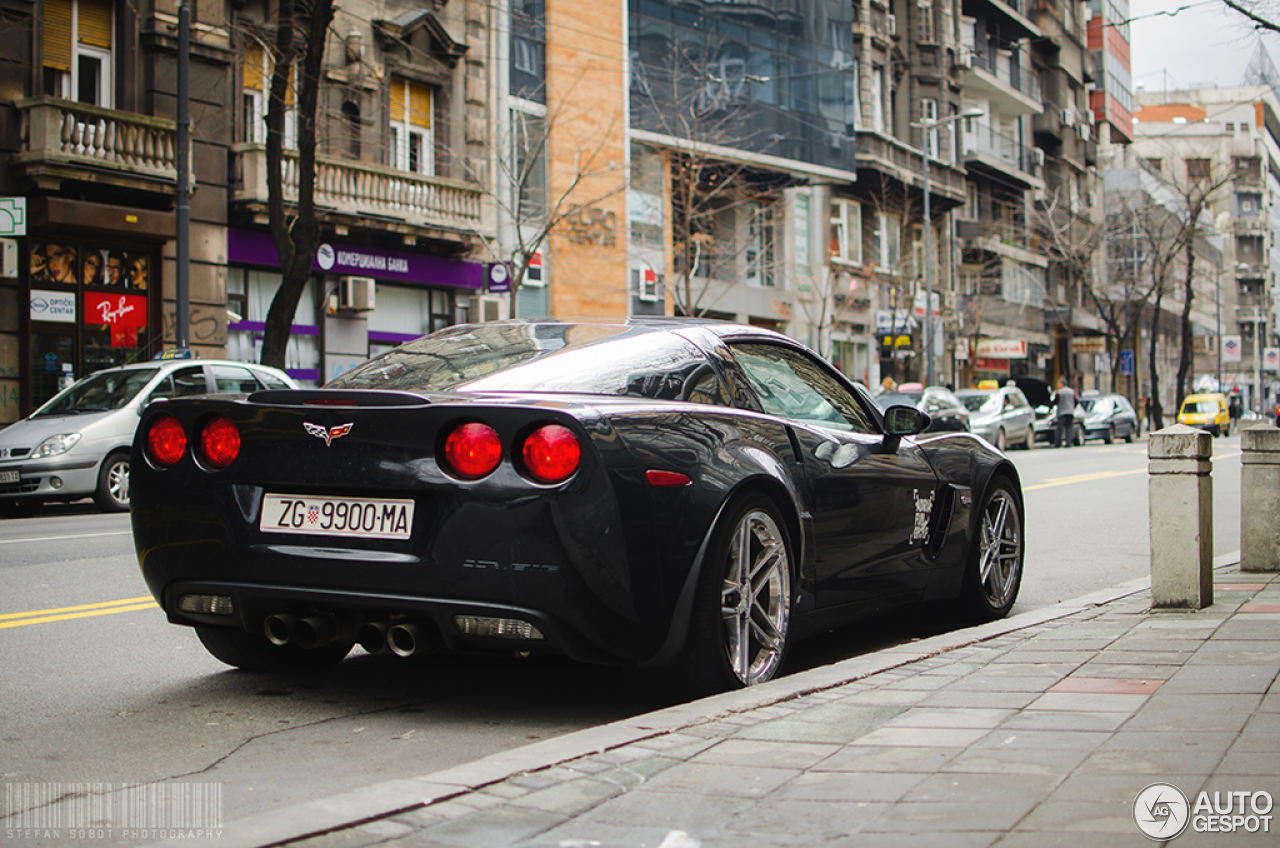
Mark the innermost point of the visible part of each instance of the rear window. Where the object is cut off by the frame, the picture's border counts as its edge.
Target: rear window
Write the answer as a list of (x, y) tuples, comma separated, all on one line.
[(568, 358)]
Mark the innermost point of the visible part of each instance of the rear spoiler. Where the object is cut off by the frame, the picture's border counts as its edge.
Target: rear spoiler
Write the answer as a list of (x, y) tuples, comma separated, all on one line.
[(336, 397)]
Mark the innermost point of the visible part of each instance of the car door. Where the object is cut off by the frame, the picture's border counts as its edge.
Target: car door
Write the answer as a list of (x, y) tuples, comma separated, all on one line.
[(870, 505)]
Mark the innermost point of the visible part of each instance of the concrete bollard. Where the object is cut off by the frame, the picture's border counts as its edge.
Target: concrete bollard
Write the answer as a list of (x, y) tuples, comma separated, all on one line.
[(1181, 506), (1260, 499)]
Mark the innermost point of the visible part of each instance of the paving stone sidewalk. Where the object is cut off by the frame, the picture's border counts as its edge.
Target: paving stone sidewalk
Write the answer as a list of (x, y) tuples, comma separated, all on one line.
[(1037, 731)]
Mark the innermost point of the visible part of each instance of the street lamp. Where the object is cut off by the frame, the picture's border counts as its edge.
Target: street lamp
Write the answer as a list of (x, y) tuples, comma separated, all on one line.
[(926, 127)]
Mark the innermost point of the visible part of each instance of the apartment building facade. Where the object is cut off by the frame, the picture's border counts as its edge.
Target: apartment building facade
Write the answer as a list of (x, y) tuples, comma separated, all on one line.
[(1225, 142)]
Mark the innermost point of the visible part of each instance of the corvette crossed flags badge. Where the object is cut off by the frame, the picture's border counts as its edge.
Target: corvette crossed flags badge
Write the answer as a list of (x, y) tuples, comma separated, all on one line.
[(328, 435)]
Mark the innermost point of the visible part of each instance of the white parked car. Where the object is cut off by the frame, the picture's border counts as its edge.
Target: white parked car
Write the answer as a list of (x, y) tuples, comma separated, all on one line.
[(77, 445)]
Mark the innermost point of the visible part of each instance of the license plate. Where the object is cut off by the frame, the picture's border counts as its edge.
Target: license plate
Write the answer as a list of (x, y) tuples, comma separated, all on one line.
[(364, 518), (9, 477)]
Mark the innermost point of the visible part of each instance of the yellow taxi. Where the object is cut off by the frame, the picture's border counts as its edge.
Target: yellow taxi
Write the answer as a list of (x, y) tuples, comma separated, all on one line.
[(1208, 412)]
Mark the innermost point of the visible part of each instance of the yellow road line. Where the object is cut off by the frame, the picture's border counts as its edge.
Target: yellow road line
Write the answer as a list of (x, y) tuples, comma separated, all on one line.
[(78, 611), (25, 621), (1082, 478), (1104, 475)]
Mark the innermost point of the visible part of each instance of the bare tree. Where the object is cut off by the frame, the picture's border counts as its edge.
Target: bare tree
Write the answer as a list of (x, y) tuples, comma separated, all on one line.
[(522, 191), (297, 48), (1260, 14)]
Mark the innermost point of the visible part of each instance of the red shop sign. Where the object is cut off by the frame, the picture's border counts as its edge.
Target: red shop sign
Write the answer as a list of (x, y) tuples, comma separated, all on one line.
[(124, 313)]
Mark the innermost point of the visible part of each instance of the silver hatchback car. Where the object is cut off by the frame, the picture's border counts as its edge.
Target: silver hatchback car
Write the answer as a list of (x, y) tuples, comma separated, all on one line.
[(77, 445), (1002, 416)]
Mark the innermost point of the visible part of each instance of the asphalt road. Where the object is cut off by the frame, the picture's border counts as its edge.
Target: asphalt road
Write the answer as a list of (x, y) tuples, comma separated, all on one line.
[(98, 688)]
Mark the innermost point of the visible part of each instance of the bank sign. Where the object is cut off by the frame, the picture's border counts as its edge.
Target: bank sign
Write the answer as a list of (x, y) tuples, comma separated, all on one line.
[(54, 306), (251, 248)]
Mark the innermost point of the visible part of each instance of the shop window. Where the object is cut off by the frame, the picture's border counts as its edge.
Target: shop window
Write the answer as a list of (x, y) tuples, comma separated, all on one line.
[(887, 248), (253, 290), (412, 145), (78, 50)]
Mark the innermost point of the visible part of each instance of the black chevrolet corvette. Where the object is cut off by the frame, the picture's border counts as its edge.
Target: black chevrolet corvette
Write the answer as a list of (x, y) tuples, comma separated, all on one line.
[(687, 497)]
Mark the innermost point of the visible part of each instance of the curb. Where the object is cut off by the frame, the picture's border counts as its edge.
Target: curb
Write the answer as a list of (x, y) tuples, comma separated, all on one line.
[(380, 800)]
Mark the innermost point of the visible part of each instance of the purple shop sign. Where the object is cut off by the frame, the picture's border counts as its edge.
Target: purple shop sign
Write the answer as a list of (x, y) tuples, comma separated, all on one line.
[(249, 248)]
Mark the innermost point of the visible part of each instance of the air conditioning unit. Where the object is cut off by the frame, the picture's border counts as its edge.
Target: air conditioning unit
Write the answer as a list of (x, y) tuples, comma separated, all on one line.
[(1083, 129), (1068, 117), (964, 57), (356, 294), (891, 24), (1038, 155)]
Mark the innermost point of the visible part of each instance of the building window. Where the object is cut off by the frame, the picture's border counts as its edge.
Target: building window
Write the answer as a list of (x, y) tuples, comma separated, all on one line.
[(928, 117), (1248, 204), (800, 235), (254, 94), (530, 157), (412, 145), (761, 246), (1198, 169), (877, 98), (1156, 165), (887, 248), (77, 48), (846, 232), (528, 50), (351, 122)]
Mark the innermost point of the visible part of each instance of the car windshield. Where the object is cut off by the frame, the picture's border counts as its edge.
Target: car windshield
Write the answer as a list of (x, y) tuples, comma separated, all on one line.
[(99, 392), (568, 358), (977, 401)]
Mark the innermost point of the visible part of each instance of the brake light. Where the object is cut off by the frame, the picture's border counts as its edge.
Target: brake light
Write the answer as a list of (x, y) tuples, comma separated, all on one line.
[(166, 440), (551, 453), (473, 450), (219, 442)]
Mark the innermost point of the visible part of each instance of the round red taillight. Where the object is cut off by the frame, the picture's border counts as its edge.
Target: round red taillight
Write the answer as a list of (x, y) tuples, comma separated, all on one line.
[(473, 450), (219, 442), (551, 453), (166, 440)]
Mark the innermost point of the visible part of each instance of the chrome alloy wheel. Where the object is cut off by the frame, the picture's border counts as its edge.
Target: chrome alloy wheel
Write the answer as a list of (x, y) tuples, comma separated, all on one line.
[(118, 482), (755, 600), (1000, 551)]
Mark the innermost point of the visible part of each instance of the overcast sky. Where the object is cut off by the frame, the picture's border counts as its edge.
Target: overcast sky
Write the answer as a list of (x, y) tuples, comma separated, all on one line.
[(1203, 43)]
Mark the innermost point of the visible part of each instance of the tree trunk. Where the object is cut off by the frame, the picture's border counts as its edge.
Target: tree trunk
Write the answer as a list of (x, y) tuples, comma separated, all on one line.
[(1185, 357), (1153, 366)]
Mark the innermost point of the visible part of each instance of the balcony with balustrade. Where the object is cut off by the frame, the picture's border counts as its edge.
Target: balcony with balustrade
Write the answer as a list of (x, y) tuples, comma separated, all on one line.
[(352, 194), (62, 140), (1003, 156)]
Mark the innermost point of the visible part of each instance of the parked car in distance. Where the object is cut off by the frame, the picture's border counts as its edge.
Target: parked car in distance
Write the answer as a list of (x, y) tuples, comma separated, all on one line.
[(1109, 417), (77, 445), (1000, 415), (946, 413), (1209, 411)]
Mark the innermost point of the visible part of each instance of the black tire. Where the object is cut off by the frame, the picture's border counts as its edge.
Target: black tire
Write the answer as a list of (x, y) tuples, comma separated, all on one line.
[(1109, 436), (1001, 441), (1029, 438), (254, 652), (113, 483), (1077, 436), (716, 659), (994, 573), (1131, 434)]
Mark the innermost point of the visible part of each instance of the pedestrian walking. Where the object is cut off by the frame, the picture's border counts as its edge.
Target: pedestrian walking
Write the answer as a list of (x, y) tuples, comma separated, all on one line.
[(1064, 400)]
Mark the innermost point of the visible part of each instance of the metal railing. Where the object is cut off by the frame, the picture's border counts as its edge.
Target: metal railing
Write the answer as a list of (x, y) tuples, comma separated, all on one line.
[(985, 140), (67, 133), (1004, 66), (364, 189)]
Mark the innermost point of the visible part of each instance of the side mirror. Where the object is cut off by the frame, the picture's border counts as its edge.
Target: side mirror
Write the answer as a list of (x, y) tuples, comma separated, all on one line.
[(902, 421), (905, 421)]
